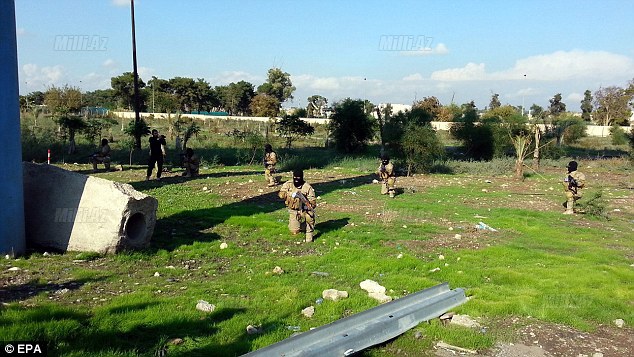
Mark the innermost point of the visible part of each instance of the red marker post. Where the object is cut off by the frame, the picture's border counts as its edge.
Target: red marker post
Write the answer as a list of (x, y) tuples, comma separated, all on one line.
[(48, 157)]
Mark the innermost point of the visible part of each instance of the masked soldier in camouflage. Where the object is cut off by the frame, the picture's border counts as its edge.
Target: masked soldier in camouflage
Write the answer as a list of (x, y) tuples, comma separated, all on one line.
[(270, 159), (299, 197), (573, 183), (388, 179)]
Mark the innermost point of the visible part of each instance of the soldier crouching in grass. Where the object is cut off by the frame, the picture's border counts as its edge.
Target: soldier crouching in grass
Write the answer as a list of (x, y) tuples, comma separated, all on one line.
[(573, 183), (388, 179), (270, 160), (299, 197)]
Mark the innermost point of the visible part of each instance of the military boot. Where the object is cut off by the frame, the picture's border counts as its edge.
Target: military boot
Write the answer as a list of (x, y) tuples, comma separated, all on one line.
[(309, 237)]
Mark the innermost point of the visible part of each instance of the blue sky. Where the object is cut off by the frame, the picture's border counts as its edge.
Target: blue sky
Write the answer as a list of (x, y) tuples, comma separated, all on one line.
[(385, 51)]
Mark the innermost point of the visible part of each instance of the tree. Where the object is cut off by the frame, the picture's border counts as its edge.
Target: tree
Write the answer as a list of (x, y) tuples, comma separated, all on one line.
[(123, 86), (95, 126), (291, 127), (556, 107), (521, 143), (63, 102), (448, 112), (612, 106), (104, 98), (477, 139), (136, 130), (264, 105), (236, 98), (278, 85), (586, 105), (495, 101), (316, 106), (350, 126), (537, 112), (429, 104), (422, 148), (184, 89)]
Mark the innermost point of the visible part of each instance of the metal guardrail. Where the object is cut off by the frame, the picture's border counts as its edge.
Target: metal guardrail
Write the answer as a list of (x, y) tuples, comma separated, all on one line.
[(357, 332)]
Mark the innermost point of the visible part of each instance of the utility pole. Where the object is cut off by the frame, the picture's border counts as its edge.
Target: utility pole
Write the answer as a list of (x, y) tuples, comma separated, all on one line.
[(12, 221), (137, 119)]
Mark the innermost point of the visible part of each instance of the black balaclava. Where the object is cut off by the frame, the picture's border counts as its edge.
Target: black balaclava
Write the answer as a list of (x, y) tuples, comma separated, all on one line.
[(572, 166), (385, 159), (189, 152), (268, 148), (298, 178)]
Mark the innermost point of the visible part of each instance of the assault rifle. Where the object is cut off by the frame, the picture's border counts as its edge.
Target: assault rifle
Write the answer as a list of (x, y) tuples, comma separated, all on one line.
[(304, 200), (572, 184)]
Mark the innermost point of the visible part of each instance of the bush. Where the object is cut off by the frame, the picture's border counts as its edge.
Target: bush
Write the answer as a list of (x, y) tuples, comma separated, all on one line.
[(618, 135), (351, 128), (422, 148), (594, 205)]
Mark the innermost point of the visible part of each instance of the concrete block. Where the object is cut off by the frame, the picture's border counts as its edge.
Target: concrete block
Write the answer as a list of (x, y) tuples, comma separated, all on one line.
[(68, 211)]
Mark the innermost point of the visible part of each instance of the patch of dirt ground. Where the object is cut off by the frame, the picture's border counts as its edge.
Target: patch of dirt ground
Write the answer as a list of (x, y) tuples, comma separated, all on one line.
[(538, 339)]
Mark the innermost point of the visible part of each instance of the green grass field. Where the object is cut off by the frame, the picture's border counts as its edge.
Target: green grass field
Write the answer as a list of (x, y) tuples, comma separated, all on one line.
[(540, 265), (569, 270)]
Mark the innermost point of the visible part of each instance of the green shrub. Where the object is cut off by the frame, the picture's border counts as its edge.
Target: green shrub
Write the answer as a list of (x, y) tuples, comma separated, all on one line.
[(618, 135)]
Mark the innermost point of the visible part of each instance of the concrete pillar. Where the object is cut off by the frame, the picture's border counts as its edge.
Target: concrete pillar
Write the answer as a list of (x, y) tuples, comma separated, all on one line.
[(12, 239)]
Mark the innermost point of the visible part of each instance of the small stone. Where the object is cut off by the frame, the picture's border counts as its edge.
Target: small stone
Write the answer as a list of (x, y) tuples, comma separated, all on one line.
[(204, 306), (464, 320), (7, 256), (447, 315), (619, 323), (372, 286), (14, 269), (441, 257), (334, 294), (224, 245), (451, 228), (458, 236), (205, 188), (277, 270), (250, 181), (434, 270), (418, 335), (260, 190), (597, 354), (485, 190), (617, 210), (252, 330), (175, 341), (380, 297), (46, 254), (404, 226), (61, 291), (399, 256), (309, 311), (375, 181), (157, 274)]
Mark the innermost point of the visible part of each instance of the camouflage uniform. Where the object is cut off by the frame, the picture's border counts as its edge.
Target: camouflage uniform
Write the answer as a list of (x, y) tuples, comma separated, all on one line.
[(573, 185), (270, 159), (386, 173), (102, 157), (191, 163), (301, 215)]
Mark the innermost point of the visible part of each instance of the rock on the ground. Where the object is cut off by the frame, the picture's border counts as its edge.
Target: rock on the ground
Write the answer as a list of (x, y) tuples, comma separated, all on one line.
[(277, 270), (253, 330), (334, 294), (464, 320), (372, 286), (619, 323), (224, 245), (309, 311), (204, 306), (380, 297)]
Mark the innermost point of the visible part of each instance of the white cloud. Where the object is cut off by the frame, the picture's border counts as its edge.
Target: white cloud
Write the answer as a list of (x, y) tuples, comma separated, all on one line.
[(574, 98), (471, 71), (227, 77), (121, 2), (557, 66), (440, 49), (413, 77), (41, 77), (109, 63)]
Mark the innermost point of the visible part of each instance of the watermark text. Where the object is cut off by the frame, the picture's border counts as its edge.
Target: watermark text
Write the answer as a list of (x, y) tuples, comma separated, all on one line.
[(80, 43), (405, 43)]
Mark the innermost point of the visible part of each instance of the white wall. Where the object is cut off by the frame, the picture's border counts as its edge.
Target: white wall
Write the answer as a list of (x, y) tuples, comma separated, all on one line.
[(592, 130)]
